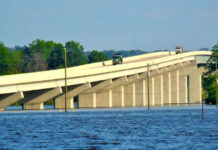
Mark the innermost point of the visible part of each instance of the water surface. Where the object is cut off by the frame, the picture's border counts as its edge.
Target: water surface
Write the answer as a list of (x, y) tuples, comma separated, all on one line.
[(127, 128)]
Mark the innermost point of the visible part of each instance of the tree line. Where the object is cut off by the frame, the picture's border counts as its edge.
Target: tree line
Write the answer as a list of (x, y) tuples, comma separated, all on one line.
[(42, 55)]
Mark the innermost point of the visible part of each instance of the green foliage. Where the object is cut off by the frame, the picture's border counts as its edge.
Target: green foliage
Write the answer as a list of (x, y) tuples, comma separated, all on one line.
[(210, 82), (210, 86), (39, 55), (96, 56), (6, 61), (56, 59), (214, 56), (75, 54)]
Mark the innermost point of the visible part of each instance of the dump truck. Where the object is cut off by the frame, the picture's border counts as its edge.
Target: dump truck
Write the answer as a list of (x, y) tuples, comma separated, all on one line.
[(117, 59)]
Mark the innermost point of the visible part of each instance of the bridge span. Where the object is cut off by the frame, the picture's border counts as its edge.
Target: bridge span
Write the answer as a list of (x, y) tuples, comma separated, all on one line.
[(157, 79)]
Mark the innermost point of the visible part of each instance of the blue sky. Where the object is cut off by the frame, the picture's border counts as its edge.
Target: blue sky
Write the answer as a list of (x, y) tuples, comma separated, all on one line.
[(111, 24)]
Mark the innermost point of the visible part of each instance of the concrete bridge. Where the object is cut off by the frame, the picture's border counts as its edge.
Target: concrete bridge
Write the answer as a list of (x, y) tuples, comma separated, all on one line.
[(156, 79)]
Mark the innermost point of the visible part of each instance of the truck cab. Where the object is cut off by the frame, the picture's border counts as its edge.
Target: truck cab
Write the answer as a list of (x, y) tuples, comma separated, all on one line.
[(179, 49), (117, 59)]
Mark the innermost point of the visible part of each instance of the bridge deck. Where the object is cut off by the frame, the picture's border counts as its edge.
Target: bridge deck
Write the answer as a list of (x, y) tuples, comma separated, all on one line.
[(92, 72)]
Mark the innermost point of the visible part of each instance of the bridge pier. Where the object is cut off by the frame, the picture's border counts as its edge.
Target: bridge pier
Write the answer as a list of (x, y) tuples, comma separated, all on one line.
[(168, 86), (72, 92), (129, 95), (37, 106), (118, 96), (183, 97), (34, 100), (158, 90), (195, 86), (140, 93), (103, 99), (88, 99)]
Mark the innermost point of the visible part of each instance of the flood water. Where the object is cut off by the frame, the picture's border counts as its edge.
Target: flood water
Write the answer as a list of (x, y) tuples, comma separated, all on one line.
[(127, 128)]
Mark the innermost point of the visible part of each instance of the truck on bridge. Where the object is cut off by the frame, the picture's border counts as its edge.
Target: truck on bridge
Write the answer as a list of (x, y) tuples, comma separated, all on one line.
[(117, 59), (179, 49)]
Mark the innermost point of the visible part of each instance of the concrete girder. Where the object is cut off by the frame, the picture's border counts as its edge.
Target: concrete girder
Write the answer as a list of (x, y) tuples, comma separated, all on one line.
[(172, 67), (117, 83), (188, 70), (45, 96), (60, 101), (7, 101), (131, 79), (100, 86), (143, 75)]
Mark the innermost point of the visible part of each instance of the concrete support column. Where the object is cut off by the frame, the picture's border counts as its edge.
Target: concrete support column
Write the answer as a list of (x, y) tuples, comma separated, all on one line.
[(169, 88), (175, 87), (158, 88), (152, 91), (195, 86), (183, 89), (129, 96), (37, 106), (166, 87), (103, 99), (140, 93), (116, 93), (110, 98), (92, 98), (117, 97), (145, 93), (122, 96), (161, 90), (60, 101), (86, 100), (34, 101), (133, 94)]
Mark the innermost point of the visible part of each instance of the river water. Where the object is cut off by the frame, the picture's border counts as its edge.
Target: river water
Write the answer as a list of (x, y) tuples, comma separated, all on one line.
[(127, 128)]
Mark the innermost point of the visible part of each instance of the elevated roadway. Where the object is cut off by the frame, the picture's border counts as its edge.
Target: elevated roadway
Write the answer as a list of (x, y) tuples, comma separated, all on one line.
[(108, 86)]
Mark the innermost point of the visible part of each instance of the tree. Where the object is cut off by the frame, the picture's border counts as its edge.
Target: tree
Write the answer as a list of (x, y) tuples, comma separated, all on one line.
[(75, 54), (96, 56), (5, 59), (43, 47), (17, 60), (56, 59), (210, 83), (210, 86)]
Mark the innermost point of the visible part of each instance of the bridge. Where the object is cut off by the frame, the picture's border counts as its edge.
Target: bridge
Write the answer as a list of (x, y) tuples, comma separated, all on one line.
[(154, 79)]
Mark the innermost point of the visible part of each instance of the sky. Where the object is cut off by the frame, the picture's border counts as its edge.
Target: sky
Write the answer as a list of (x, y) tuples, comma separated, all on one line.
[(111, 24)]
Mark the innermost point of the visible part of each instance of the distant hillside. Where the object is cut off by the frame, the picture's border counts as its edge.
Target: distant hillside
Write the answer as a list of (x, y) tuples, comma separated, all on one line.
[(124, 53)]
